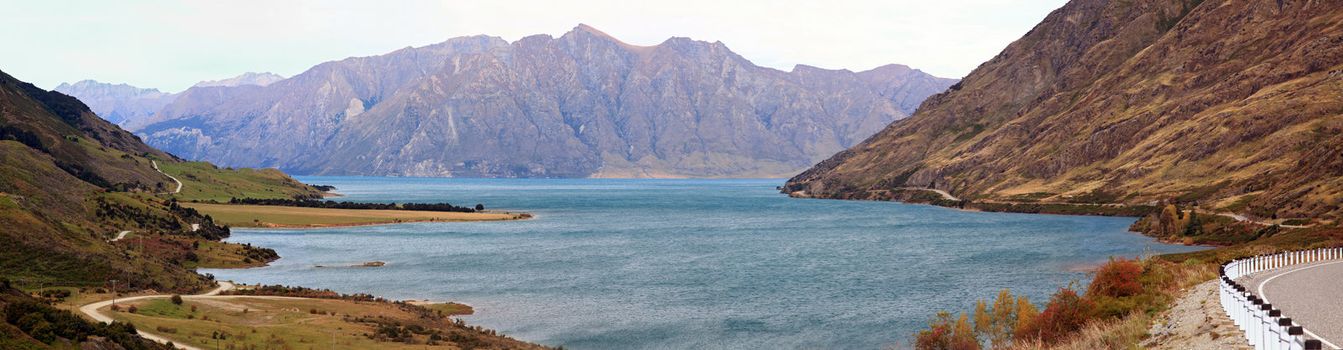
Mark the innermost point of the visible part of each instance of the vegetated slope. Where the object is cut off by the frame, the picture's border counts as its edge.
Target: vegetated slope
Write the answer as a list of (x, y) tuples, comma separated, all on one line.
[(30, 323), (1235, 104), (69, 179), (203, 181), (583, 104), (72, 180)]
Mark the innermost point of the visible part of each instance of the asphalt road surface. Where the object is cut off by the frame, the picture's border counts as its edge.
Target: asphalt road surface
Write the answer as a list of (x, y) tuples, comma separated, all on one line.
[(1311, 294)]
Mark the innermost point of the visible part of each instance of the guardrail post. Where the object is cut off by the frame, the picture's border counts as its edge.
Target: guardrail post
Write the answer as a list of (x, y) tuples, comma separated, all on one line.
[(1297, 341), (1284, 340), (1255, 322), (1247, 301), (1313, 345), (1270, 333), (1239, 315)]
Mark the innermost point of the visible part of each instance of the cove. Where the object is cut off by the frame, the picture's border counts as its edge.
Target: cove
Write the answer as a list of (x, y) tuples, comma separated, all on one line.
[(690, 264)]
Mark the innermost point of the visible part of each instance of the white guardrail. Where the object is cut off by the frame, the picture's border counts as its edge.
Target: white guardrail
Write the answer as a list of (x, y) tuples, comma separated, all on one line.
[(1265, 327)]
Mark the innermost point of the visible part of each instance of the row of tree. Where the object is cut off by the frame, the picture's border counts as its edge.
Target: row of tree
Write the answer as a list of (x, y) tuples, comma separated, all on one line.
[(1120, 287), (356, 205)]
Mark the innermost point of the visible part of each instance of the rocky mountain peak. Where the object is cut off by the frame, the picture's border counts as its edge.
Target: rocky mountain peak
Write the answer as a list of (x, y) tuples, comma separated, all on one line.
[(581, 105)]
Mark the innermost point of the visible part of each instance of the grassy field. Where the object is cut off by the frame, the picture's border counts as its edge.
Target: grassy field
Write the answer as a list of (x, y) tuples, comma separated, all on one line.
[(281, 216), (252, 323), (204, 182), (222, 255)]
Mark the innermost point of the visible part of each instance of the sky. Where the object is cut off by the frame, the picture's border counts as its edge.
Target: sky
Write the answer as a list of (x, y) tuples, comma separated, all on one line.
[(171, 45)]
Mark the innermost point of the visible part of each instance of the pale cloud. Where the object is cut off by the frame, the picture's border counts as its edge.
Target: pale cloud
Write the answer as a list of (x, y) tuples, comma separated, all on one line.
[(173, 44)]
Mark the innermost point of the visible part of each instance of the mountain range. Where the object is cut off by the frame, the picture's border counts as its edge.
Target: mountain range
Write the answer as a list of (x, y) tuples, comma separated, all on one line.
[(580, 105), (1231, 105), (122, 104)]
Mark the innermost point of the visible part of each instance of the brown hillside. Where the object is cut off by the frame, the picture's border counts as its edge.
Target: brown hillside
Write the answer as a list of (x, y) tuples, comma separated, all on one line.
[(1236, 104)]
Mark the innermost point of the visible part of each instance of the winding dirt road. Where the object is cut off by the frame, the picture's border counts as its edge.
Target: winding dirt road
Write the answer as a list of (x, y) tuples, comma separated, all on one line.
[(92, 309), (945, 195), (179, 182)]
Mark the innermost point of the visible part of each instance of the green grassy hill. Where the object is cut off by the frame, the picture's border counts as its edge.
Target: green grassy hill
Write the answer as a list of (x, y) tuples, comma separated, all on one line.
[(69, 182), (203, 181)]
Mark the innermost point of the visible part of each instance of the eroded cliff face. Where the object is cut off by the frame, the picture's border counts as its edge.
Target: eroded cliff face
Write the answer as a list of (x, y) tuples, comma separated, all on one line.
[(1234, 104), (583, 104)]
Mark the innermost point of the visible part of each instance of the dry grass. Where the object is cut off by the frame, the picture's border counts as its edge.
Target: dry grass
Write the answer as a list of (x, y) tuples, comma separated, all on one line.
[(297, 217), (1124, 333), (294, 324)]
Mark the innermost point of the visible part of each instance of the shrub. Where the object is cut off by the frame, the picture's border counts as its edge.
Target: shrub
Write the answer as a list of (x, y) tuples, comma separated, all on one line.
[(945, 334), (1066, 313), (132, 309), (176, 299), (1117, 278)]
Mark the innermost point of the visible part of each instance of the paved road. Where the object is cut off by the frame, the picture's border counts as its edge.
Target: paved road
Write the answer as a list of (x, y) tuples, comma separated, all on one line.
[(179, 182), (1309, 294)]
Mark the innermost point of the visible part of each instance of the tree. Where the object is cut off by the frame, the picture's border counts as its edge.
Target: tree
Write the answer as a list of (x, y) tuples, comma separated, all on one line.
[(480, 207), (963, 336), (1025, 327), (1004, 319), (983, 322), (1195, 226)]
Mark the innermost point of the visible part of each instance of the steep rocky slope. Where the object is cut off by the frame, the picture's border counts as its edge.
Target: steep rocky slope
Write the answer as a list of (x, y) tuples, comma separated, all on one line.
[(583, 104), (1237, 105), (118, 103), (124, 105)]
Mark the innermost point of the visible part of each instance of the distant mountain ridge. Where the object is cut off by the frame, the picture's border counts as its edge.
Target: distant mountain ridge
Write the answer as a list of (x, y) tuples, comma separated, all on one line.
[(1232, 105), (123, 104), (117, 103), (249, 78), (580, 105)]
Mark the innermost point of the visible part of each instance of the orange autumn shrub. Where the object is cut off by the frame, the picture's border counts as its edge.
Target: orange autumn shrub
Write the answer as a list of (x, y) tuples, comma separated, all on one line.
[(1117, 278), (947, 333), (1066, 313)]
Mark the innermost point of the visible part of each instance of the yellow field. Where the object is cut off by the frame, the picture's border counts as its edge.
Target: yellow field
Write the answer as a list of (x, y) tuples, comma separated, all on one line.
[(281, 216), (247, 323)]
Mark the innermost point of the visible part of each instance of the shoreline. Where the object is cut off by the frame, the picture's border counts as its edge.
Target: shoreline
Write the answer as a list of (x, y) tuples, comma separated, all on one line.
[(968, 206)]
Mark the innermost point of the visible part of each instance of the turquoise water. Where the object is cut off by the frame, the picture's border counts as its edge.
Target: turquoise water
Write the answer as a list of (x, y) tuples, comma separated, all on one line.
[(690, 264)]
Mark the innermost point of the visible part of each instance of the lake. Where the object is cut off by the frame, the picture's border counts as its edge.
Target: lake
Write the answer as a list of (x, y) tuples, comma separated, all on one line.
[(690, 264)]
